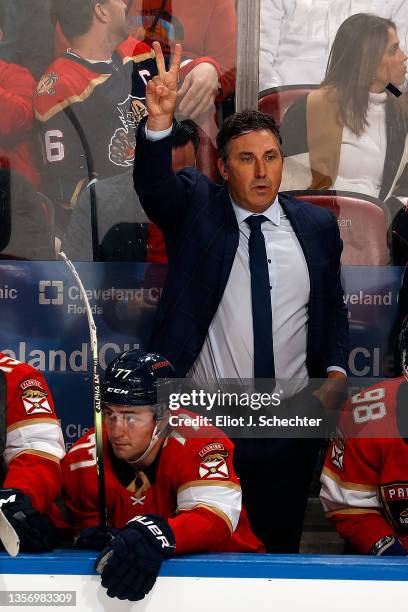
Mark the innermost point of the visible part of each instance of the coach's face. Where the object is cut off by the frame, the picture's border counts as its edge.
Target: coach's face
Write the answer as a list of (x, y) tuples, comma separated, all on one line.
[(253, 170)]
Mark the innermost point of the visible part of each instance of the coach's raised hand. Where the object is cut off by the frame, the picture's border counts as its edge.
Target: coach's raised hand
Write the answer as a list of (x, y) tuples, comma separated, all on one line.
[(161, 91)]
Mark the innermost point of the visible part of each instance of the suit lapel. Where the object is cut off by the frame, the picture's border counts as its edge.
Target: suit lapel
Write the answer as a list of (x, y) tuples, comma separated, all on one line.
[(231, 237)]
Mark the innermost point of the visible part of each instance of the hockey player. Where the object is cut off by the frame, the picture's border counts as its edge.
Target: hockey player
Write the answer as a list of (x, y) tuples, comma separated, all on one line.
[(92, 98), (184, 487), (365, 478), (33, 448)]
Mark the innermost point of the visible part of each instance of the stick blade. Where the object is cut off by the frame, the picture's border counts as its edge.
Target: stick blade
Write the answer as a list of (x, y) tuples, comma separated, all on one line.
[(8, 536)]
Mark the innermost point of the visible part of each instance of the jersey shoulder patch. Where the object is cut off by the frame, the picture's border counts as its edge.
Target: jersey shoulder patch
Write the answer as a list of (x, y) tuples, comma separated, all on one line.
[(65, 82)]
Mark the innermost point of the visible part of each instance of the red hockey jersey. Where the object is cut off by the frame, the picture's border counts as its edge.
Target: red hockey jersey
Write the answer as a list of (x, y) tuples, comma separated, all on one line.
[(17, 88), (87, 114), (365, 477), (192, 485), (34, 442)]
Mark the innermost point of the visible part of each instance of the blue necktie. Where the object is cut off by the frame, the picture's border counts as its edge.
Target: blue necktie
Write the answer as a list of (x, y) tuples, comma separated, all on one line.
[(264, 363)]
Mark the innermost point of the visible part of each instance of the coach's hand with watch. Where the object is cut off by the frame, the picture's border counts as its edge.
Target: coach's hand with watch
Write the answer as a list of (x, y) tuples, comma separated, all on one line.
[(331, 394)]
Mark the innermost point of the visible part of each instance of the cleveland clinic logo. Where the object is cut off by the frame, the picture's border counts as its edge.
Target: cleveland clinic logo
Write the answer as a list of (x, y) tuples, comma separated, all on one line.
[(51, 292)]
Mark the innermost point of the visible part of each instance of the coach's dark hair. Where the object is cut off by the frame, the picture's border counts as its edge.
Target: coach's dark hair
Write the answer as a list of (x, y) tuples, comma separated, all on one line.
[(74, 16), (186, 131), (242, 123)]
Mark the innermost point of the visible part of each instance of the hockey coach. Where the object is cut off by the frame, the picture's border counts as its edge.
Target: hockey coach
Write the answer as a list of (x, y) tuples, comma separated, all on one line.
[(253, 290)]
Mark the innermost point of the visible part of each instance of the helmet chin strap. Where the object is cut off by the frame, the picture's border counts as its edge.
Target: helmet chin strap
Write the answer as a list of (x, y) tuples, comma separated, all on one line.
[(155, 437)]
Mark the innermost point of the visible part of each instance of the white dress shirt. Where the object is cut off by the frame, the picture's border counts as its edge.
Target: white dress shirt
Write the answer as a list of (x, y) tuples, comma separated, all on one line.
[(228, 350)]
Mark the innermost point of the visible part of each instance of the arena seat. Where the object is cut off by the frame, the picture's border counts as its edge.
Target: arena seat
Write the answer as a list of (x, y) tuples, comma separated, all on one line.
[(30, 217), (363, 223), (276, 100)]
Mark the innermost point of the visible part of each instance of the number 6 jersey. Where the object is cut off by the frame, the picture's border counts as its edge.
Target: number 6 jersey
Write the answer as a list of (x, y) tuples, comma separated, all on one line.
[(365, 477), (87, 114)]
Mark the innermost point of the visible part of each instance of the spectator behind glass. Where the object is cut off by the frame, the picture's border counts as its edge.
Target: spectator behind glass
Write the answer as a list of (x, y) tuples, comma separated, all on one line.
[(296, 35), (361, 144), (124, 230), (17, 88), (92, 99), (30, 35), (204, 27)]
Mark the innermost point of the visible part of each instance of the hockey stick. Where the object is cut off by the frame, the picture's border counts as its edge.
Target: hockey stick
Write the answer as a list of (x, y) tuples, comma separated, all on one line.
[(96, 396), (8, 536)]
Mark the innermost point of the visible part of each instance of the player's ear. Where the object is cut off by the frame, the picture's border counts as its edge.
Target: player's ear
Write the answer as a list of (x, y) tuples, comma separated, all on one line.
[(101, 12), (223, 168)]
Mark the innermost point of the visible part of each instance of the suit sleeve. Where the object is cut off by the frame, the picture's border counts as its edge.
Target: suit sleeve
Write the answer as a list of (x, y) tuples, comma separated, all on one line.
[(338, 328), (164, 195)]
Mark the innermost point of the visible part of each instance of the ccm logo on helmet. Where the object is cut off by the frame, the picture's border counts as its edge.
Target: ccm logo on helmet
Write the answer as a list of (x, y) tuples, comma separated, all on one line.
[(120, 391), (156, 531)]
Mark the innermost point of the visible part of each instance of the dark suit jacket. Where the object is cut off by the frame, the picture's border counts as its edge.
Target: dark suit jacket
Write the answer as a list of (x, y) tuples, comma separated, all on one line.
[(201, 233)]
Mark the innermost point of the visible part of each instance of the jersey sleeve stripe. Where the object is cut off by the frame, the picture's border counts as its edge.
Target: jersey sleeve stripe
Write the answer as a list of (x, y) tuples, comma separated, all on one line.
[(222, 498), (353, 486), (42, 437), (210, 509), (334, 496), (210, 483), (32, 421), (352, 511), (38, 454), (142, 57), (71, 99)]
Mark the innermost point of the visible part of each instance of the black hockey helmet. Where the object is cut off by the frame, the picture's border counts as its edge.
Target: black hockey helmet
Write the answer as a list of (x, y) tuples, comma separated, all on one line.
[(133, 378)]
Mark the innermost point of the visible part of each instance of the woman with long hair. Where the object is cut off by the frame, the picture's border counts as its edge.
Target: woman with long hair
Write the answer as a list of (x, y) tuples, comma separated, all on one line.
[(350, 133)]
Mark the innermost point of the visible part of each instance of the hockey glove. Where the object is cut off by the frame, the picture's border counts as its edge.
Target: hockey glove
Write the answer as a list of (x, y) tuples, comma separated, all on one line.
[(130, 565), (35, 530), (96, 538)]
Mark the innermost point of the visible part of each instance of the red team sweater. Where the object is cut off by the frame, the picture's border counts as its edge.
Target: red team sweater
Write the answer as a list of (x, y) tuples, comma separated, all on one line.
[(17, 88), (34, 443), (192, 485), (365, 476)]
